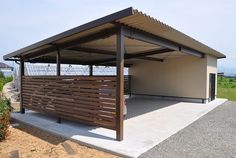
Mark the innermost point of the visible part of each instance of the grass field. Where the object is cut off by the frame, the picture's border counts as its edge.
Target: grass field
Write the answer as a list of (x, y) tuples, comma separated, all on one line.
[(4, 80), (226, 88)]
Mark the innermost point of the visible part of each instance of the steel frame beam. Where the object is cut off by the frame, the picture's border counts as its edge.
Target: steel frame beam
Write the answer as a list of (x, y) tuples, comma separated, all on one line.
[(75, 62), (113, 53), (139, 55), (153, 39), (92, 50), (99, 35)]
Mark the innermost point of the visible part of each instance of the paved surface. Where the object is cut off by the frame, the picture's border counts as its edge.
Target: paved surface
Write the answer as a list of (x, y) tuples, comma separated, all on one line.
[(213, 135), (149, 122)]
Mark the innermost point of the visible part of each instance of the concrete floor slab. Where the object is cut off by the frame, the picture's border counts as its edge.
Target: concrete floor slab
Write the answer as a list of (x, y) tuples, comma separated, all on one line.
[(149, 122)]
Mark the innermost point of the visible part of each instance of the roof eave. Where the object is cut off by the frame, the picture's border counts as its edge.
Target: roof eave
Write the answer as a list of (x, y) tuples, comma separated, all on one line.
[(106, 19)]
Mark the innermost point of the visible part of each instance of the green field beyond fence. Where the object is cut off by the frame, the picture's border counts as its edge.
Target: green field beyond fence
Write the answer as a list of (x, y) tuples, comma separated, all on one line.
[(4, 80), (226, 88)]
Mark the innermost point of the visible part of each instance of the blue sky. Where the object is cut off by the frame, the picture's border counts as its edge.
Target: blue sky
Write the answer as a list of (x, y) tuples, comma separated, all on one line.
[(212, 22)]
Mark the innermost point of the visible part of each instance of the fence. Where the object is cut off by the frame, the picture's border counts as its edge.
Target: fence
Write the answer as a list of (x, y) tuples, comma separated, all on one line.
[(88, 99)]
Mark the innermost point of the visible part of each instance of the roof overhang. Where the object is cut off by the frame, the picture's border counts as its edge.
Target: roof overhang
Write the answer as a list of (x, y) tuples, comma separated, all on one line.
[(94, 42)]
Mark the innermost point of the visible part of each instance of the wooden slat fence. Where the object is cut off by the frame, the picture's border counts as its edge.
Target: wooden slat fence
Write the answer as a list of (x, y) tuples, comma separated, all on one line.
[(127, 84), (88, 99)]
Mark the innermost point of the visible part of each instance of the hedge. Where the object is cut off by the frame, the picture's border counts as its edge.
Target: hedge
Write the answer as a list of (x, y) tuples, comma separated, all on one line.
[(5, 109)]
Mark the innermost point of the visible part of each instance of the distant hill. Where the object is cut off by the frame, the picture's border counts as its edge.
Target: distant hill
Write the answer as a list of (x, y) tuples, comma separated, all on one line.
[(227, 71)]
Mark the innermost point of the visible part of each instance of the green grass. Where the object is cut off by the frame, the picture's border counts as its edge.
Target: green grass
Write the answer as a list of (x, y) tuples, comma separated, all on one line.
[(5, 108), (4, 117), (229, 93), (4, 80), (226, 88)]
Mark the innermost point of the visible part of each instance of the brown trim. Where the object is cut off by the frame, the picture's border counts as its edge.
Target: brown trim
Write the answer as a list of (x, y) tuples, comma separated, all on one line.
[(87, 99), (75, 62), (140, 55), (221, 57), (120, 84), (151, 59), (101, 34), (22, 73), (153, 39), (201, 100), (152, 52), (92, 50), (90, 70), (113, 53), (58, 60), (101, 21)]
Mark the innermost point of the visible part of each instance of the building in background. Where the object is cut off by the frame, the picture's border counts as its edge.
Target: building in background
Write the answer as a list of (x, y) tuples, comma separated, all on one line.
[(6, 69)]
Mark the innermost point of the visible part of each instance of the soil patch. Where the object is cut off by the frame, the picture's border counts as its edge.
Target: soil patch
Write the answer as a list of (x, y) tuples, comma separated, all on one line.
[(31, 142)]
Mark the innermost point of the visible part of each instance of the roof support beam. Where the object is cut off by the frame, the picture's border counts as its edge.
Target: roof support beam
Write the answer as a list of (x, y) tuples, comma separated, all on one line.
[(150, 52), (95, 36), (153, 39), (141, 55), (138, 55), (152, 59), (75, 62), (92, 50), (126, 56)]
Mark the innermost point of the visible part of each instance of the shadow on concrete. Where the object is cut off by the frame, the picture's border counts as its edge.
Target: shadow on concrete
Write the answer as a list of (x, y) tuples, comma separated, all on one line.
[(137, 106), (70, 128), (36, 132)]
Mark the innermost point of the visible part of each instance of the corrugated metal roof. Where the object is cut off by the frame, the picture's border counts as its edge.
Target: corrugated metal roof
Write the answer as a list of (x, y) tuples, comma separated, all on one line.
[(145, 22), (129, 17)]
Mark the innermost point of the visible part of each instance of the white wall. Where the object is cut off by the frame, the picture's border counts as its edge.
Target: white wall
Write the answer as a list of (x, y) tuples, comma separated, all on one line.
[(211, 68), (186, 76)]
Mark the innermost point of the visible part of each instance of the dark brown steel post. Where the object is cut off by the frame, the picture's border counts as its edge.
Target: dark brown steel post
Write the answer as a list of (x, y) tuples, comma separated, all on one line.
[(58, 72), (129, 85), (90, 70), (58, 63), (120, 84), (22, 73)]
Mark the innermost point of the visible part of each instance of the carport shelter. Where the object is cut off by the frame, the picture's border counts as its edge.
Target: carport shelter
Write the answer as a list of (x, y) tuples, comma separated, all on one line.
[(162, 62)]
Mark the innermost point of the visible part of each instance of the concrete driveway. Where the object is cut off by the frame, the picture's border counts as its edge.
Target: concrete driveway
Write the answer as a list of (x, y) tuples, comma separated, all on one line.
[(212, 136), (149, 122)]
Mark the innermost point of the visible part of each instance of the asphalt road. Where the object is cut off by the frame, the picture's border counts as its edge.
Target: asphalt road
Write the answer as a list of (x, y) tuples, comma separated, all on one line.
[(212, 136)]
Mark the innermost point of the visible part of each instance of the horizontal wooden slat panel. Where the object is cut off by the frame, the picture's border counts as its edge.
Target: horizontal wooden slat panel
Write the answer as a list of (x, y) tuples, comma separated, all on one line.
[(87, 99), (127, 84)]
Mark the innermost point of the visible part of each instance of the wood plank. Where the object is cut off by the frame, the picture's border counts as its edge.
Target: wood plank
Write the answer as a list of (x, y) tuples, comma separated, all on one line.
[(87, 99)]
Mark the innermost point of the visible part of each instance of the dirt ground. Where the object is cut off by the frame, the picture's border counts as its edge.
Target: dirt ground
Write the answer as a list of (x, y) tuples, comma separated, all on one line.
[(30, 142)]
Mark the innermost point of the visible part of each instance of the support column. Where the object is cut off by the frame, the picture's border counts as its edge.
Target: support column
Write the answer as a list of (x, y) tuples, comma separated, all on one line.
[(119, 84), (58, 63), (90, 70), (21, 74), (58, 72)]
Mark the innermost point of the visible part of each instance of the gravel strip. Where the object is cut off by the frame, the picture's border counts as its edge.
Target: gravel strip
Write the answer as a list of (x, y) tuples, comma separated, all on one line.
[(212, 136)]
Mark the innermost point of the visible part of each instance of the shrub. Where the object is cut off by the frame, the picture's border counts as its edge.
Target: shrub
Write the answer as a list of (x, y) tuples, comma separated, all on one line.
[(1, 74), (8, 79), (4, 118), (1, 86), (4, 80)]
